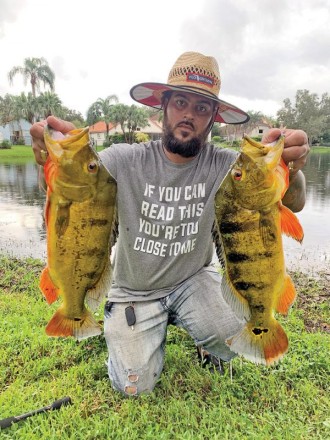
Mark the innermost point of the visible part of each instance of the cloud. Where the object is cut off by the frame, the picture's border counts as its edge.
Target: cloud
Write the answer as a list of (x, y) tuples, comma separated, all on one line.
[(58, 66), (10, 10), (265, 49)]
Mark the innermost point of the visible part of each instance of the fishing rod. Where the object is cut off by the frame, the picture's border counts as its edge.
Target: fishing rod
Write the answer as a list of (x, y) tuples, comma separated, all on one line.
[(6, 423)]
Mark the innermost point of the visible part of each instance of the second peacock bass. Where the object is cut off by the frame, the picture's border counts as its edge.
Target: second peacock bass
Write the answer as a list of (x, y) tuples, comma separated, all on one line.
[(250, 220)]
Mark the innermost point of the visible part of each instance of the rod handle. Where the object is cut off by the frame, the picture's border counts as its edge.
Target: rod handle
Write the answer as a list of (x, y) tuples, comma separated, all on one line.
[(6, 423)]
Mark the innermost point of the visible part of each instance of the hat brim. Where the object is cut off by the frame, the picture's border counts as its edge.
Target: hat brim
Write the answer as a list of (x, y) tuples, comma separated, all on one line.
[(150, 94)]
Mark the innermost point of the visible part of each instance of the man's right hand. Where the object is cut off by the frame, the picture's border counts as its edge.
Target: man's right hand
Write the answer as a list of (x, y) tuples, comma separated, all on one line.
[(37, 133)]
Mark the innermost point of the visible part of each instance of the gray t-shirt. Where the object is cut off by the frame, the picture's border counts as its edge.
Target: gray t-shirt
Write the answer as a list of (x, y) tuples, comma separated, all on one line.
[(166, 213)]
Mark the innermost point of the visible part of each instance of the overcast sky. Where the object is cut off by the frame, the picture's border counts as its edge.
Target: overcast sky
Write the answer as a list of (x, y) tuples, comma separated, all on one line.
[(266, 49)]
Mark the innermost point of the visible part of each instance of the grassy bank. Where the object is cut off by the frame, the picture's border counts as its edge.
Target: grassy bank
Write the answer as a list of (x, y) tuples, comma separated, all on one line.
[(25, 152), (288, 401), (16, 152), (20, 153)]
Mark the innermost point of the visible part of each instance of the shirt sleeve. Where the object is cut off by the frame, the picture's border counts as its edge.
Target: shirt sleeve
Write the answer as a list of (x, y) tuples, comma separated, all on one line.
[(115, 156)]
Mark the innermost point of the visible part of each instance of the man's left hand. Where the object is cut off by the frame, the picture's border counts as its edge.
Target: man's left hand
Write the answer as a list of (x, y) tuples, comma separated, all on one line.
[(296, 147)]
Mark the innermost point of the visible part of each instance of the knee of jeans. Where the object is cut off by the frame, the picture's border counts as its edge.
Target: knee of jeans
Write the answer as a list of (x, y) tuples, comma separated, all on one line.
[(136, 382)]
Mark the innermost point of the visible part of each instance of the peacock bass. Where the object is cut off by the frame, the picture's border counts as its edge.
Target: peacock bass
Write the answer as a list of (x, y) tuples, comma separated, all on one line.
[(79, 213), (250, 219)]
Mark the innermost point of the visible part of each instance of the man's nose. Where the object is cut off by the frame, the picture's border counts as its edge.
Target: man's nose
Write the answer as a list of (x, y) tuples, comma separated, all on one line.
[(189, 113)]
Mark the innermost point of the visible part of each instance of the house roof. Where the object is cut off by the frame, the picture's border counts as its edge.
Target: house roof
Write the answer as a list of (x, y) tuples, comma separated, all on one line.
[(154, 127), (100, 127)]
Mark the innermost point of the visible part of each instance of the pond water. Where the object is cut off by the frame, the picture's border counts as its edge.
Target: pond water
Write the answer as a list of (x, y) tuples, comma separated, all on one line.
[(22, 228)]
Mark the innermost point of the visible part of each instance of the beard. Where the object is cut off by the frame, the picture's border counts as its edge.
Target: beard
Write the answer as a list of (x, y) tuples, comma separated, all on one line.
[(188, 148)]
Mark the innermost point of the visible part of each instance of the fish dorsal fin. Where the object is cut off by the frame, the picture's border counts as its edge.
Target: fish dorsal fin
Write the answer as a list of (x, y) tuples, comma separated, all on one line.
[(290, 224)]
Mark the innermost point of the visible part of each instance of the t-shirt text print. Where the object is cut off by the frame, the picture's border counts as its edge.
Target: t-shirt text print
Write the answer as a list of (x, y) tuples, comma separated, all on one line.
[(168, 227)]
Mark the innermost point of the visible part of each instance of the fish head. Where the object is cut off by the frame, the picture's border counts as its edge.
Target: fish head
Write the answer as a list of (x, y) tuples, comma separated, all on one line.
[(255, 179), (74, 166)]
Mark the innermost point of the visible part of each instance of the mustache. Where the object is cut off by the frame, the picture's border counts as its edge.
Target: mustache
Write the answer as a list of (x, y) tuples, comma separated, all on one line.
[(185, 123)]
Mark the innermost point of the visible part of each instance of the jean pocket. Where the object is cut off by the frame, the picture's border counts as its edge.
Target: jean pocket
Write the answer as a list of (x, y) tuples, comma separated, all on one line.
[(107, 309)]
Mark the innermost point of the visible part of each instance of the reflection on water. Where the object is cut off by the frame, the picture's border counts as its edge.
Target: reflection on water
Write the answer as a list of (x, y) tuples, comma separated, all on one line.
[(22, 229), (313, 254)]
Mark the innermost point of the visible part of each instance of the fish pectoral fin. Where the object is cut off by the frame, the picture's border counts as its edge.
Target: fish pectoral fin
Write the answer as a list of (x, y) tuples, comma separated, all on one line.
[(260, 344), (48, 288), (62, 218), (267, 228), (287, 297), (290, 224), (82, 327), (234, 299), (95, 295)]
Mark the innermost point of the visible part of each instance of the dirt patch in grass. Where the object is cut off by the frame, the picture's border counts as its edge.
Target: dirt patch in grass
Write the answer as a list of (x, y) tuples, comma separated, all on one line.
[(314, 301)]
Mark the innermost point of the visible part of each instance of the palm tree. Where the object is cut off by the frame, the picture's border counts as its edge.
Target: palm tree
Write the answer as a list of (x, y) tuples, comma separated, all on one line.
[(26, 107), (101, 110), (137, 118), (36, 71), (7, 109), (255, 119), (50, 104), (120, 116)]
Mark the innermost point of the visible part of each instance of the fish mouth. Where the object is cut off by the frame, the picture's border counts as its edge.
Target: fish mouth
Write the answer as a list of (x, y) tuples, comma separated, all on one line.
[(65, 184)]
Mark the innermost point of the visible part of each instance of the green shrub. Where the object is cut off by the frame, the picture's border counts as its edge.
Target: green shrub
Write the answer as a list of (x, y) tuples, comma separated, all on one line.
[(141, 137), (5, 145), (107, 143), (236, 143), (20, 141), (217, 139), (257, 138)]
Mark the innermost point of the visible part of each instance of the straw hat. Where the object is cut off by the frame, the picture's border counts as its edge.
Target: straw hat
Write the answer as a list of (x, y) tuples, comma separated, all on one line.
[(194, 73)]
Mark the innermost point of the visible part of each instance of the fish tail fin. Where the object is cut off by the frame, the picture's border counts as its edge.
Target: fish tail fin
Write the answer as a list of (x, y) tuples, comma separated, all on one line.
[(287, 298), (47, 287), (260, 344), (290, 224), (79, 328)]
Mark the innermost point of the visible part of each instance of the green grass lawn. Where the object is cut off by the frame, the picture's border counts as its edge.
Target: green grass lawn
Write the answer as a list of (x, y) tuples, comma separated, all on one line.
[(288, 401), (20, 154), (16, 152)]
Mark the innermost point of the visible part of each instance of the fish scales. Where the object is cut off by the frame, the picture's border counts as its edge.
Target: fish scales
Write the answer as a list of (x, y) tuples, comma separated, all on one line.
[(80, 213), (248, 228)]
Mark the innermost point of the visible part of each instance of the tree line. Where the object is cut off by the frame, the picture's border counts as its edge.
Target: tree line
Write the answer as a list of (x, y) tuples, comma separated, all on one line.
[(309, 112)]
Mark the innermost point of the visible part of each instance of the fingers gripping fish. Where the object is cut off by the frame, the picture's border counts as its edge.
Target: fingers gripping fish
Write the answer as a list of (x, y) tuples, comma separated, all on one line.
[(250, 219), (80, 212)]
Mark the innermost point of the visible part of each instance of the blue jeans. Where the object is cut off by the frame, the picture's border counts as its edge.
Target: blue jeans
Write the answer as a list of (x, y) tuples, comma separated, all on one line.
[(136, 355)]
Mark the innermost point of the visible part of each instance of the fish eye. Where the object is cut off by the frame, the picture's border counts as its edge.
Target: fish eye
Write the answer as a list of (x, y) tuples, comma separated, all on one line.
[(92, 167)]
